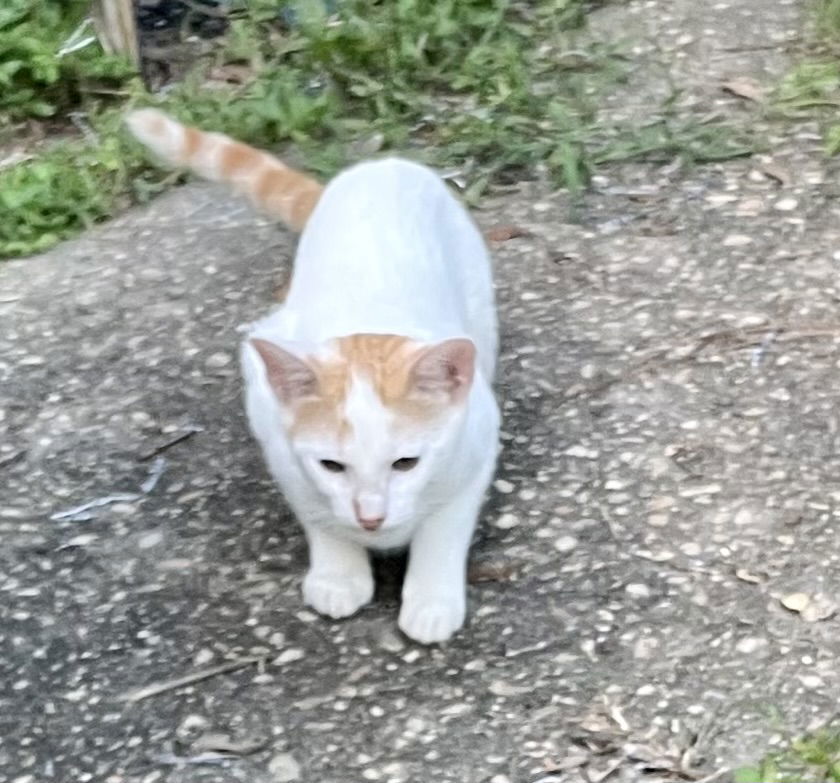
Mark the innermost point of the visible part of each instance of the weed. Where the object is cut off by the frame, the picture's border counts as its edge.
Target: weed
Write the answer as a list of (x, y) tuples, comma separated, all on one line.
[(812, 758), (36, 79), (496, 88), (827, 16)]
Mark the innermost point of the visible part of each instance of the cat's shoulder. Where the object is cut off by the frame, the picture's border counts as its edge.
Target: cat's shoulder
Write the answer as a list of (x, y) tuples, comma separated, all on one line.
[(388, 173)]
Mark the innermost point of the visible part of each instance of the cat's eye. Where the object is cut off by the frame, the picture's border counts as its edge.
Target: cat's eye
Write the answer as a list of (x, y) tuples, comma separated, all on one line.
[(332, 466), (406, 463)]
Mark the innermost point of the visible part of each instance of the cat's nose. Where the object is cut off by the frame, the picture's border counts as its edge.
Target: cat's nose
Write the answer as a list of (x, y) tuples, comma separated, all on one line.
[(370, 513), (370, 523)]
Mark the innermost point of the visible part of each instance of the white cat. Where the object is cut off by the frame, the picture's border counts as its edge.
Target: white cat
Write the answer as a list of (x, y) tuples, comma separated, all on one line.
[(369, 388)]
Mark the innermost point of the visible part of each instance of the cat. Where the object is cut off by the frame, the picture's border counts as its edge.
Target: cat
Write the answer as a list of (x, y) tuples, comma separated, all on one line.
[(369, 388)]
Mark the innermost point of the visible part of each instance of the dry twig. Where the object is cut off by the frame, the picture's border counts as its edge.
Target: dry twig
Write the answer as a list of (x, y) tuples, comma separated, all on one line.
[(138, 694)]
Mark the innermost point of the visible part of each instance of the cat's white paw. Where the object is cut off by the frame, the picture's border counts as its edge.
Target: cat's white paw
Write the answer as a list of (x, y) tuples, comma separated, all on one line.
[(432, 620), (337, 595)]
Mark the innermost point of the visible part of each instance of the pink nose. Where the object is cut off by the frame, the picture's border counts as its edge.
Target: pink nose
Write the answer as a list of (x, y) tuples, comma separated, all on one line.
[(370, 523)]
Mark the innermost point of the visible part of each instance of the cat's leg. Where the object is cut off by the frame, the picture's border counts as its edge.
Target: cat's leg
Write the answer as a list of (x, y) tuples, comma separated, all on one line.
[(339, 580), (434, 595)]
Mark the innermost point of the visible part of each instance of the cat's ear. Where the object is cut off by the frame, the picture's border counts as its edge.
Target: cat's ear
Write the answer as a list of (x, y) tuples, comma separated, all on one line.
[(445, 368), (291, 378)]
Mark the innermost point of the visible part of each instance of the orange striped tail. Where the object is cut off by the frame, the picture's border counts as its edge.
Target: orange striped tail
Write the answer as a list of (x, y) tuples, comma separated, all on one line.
[(270, 184)]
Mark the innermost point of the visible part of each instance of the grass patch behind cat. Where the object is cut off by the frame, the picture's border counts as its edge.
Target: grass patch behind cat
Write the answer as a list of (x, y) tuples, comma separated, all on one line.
[(810, 90), (495, 88), (812, 758)]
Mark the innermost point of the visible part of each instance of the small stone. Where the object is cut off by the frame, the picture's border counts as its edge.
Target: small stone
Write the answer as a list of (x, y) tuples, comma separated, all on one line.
[(565, 543), (203, 657), (786, 204), (150, 540), (637, 590), (706, 489), (614, 485), (507, 521), (581, 451), (460, 708), (218, 360), (502, 688), (289, 656), (658, 520), (811, 681), (795, 602), (284, 768), (390, 642), (505, 487), (737, 240), (743, 517), (750, 644), (661, 502)]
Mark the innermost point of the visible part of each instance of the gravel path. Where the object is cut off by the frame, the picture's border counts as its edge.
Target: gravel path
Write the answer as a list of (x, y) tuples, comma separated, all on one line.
[(656, 576)]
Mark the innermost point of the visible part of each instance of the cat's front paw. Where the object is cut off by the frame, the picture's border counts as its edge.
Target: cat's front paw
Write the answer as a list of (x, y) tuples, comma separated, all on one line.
[(337, 595), (432, 620)]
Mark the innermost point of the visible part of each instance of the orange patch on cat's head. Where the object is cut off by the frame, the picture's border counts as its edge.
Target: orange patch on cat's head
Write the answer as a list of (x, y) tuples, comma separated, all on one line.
[(413, 381)]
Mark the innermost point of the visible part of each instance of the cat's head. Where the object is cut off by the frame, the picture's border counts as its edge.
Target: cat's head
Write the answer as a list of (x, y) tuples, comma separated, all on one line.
[(368, 417)]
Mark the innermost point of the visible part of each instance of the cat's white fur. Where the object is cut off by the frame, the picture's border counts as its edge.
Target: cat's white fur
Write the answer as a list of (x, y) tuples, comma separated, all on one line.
[(387, 250)]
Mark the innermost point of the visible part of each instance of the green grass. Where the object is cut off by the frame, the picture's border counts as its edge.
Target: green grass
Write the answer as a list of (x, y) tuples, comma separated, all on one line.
[(495, 88), (811, 89), (827, 16), (36, 79), (811, 759)]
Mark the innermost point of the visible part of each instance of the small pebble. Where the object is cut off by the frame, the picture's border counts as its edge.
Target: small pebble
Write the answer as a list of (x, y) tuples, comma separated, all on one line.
[(811, 681), (507, 521), (796, 602), (218, 360), (284, 768), (565, 543), (289, 656), (786, 204), (750, 645), (737, 240)]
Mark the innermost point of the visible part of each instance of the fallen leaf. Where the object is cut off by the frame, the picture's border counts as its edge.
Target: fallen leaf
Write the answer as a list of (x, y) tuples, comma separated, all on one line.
[(617, 715), (744, 87), (217, 742), (596, 776), (231, 73), (490, 572), (504, 233), (820, 607), (746, 576), (776, 172)]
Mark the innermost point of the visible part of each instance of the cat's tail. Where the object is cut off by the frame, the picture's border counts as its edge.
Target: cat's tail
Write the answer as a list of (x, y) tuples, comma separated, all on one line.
[(271, 185)]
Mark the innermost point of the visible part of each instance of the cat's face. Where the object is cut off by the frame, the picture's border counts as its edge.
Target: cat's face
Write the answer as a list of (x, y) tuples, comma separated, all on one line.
[(368, 422)]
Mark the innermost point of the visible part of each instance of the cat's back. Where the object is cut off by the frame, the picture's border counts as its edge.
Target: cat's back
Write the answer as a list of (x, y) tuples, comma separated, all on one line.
[(388, 249)]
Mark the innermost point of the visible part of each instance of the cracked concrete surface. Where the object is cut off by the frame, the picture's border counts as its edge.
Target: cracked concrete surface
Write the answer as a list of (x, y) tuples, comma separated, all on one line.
[(667, 488)]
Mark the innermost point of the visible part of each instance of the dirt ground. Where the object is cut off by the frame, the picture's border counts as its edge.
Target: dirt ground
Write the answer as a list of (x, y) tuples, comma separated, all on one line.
[(655, 579)]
